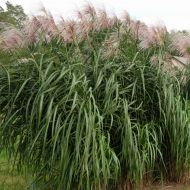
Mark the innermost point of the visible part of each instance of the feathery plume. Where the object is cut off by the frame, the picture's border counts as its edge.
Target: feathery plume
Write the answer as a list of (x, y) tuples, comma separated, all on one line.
[(89, 20), (102, 21), (111, 45), (31, 28), (181, 43), (113, 21), (89, 11), (126, 18), (12, 39), (152, 36), (68, 30)]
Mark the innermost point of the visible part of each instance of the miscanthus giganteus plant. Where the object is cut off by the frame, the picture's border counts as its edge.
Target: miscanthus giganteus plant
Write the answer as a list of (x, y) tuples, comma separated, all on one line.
[(84, 107)]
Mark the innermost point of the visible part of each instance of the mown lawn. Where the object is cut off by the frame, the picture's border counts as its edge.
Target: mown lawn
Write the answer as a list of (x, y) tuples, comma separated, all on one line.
[(9, 177)]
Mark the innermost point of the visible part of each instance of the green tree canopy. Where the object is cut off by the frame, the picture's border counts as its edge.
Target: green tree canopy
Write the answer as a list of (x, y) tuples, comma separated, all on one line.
[(12, 14)]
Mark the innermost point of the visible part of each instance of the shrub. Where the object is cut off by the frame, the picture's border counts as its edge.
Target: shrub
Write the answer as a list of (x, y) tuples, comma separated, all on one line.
[(90, 115)]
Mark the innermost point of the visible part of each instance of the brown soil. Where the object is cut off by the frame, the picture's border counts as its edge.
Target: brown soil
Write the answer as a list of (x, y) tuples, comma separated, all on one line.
[(168, 187)]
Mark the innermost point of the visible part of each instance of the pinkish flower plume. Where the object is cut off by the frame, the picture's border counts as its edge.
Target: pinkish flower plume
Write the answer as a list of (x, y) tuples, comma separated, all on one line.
[(89, 20), (89, 10), (12, 39), (102, 21), (111, 45), (181, 43), (31, 29), (68, 30), (152, 36)]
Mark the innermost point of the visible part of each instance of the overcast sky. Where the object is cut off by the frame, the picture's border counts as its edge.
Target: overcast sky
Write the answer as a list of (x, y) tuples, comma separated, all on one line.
[(175, 14)]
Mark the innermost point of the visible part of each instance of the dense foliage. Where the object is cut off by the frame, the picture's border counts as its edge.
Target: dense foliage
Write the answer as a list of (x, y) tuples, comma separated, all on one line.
[(12, 15), (94, 113)]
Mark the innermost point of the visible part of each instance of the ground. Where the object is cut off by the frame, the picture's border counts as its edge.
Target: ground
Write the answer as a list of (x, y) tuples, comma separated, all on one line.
[(169, 187), (11, 180)]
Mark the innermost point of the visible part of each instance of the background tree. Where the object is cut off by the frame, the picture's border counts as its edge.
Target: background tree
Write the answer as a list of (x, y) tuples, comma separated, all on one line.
[(12, 14)]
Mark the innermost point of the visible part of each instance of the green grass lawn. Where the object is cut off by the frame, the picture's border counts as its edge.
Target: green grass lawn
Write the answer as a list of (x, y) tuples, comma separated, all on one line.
[(10, 179)]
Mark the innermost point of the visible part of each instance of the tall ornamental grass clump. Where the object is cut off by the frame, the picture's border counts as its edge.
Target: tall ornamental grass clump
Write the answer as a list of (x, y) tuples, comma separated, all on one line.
[(84, 114)]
